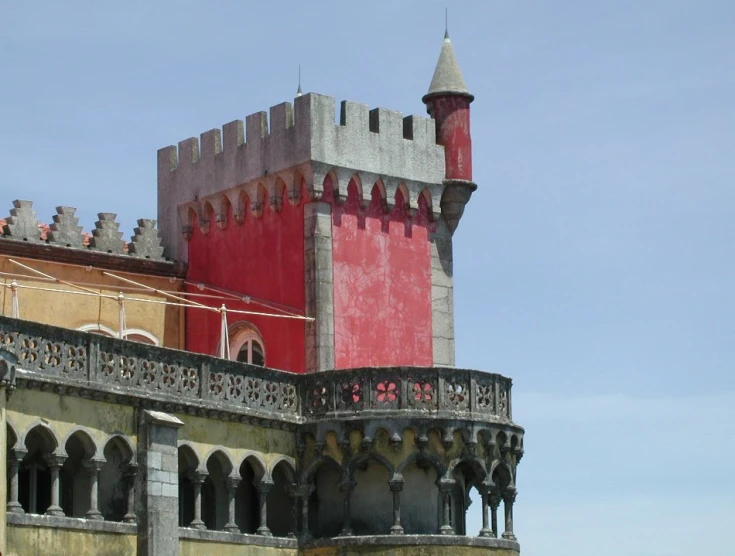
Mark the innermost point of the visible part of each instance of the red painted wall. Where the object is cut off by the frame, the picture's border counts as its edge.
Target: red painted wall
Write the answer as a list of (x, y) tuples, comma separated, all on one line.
[(452, 114), (263, 258), (382, 283)]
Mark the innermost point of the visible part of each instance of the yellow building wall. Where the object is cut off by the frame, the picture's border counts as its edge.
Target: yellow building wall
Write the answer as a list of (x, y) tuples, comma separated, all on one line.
[(76, 310), (64, 414), (190, 547), (43, 541), (408, 551)]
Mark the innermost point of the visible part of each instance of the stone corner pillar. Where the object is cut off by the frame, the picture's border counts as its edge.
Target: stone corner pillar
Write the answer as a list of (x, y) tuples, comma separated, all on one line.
[(318, 283), (442, 296), (157, 484)]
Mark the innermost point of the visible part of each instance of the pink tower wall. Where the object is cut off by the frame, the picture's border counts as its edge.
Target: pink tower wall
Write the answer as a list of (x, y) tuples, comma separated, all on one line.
[(382, 283), (264, 258), (452, 114)]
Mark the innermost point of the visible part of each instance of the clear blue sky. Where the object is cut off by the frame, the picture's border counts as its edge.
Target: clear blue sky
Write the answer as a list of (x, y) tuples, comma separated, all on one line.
[(594, 265)]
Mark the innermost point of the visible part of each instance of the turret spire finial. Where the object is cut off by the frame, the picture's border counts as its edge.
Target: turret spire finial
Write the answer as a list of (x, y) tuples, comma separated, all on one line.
[(447, 75), (298, 91)]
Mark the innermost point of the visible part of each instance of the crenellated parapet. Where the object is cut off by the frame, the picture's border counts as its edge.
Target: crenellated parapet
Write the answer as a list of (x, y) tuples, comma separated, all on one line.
[(302, 147), (65, 231)]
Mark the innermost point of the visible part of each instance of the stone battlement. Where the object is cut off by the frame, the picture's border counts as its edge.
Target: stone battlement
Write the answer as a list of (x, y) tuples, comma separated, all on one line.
[(65, 231), (301, 141)]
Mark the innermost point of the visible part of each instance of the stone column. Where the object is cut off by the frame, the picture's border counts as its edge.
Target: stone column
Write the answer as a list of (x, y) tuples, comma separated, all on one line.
[(130, 474), (485, 531), (14, 459), (304, 493), (347, 488), (509, 497), (197, 480), (293, 495), (158, 484), (396, 486), (93, 470), (494, 502), (264, 487), (231, 483), (55, 462), (319, 293), (445, 488)]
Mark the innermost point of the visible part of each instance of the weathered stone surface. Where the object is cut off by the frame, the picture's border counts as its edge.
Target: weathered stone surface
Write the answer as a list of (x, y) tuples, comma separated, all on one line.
[(146, 243), (65, 229), (22, 223), (442, 295), (158, 481), (106, 235), (319, 287)]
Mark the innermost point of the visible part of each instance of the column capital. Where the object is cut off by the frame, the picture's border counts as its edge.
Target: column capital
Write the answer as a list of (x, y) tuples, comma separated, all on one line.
[(131, 470), (265, 486), (55, 461), (446, 485), (304, 491), (509, 495), (347, 486), (94, 466), (197, 477), (232, 482), (16, 455), (396, 485)]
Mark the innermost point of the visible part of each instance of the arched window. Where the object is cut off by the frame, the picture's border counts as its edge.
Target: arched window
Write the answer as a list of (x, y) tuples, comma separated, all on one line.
[(246, 344), (132, 334)]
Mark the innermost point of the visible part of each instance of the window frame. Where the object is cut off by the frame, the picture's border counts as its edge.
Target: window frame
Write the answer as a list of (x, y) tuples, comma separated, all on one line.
[(244, 333)]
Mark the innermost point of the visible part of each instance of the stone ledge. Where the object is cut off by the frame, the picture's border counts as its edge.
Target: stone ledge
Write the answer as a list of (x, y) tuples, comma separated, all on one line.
[(388, 541), (236, 538), (74, 523)]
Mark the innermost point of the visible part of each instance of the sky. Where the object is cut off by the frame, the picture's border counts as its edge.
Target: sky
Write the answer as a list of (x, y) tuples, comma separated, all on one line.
[(594, 265)]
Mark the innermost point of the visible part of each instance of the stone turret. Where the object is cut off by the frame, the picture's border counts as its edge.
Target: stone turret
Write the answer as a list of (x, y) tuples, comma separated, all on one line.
[(448, 102)]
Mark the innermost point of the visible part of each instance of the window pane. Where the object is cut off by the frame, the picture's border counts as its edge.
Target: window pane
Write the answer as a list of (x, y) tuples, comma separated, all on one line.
[(242, 355), (258, 357)]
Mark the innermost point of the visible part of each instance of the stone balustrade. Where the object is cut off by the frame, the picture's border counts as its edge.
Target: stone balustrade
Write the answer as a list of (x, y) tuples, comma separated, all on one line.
[(81, 363)]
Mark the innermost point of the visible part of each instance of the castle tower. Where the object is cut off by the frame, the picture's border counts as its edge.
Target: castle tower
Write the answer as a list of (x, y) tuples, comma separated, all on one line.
[(448, 102), (348, 224), (332, 244)]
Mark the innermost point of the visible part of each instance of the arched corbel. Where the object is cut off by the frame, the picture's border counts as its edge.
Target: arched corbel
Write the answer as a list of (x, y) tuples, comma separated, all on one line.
[(221, 207), (315, 174), (379, 185), (357, 179), (275, 187), (366, 185), (406, 194), (292, 182), (341, 182), (257, 194), (239, 200), (391, 188)]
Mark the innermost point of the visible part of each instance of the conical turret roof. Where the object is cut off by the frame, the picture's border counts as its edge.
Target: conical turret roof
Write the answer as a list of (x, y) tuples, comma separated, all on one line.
[(447, 75)]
